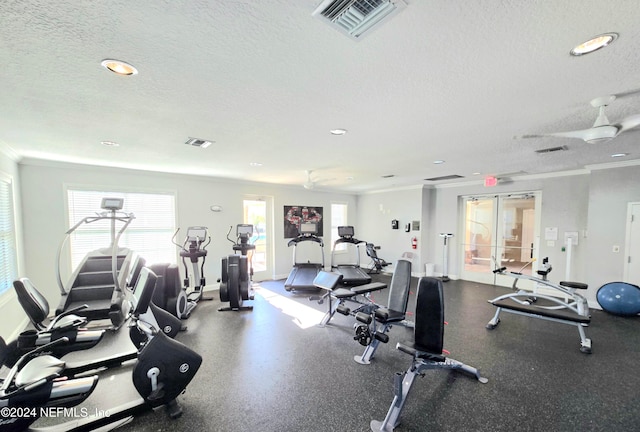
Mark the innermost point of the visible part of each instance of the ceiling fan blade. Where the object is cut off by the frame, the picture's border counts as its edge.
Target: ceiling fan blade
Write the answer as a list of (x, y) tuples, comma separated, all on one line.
[(628, 123), (580, 134)]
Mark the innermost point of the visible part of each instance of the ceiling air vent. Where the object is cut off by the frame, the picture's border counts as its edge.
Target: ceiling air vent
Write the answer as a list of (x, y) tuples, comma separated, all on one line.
[(355, 17), (197, 142), (447, 177), (553, 149)]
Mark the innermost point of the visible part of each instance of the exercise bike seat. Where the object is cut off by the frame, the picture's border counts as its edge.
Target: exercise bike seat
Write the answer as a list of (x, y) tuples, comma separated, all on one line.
[(39, 368)]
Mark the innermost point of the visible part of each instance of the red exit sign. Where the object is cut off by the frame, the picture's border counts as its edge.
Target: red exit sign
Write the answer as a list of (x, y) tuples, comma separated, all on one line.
[(490, 181)]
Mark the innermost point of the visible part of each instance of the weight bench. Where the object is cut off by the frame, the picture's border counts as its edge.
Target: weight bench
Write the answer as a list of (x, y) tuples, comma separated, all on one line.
[(330, 282), (426, 350), (574, 312), (368, 334)]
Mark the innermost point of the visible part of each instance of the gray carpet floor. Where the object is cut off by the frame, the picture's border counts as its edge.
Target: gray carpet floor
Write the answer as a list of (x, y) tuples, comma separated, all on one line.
[(272, 369)]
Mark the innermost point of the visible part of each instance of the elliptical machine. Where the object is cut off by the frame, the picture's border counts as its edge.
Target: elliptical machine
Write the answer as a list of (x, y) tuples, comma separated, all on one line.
[(237, 271), (193, 248)]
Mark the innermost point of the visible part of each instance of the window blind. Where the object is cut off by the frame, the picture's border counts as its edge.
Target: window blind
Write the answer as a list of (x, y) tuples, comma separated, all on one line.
[(8, 251), (149, 234)]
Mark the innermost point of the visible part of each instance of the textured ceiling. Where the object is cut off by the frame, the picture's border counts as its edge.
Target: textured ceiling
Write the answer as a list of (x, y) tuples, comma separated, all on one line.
[(266, 81)]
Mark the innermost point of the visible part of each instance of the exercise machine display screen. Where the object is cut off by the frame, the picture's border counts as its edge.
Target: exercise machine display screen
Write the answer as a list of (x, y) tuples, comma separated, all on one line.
[(244, 230), (140, 300), (196, 233), (345, 231), (112, 203), (308, 228)]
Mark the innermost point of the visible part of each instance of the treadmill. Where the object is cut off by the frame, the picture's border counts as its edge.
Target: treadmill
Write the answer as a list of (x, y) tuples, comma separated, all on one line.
[(352, 274), (303, 273)]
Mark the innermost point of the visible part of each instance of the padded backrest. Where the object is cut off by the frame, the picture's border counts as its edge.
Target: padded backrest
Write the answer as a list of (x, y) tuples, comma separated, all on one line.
[(429, 317), (400, 283), (33, 303), (327, 280), (168, 283), (371, 251)]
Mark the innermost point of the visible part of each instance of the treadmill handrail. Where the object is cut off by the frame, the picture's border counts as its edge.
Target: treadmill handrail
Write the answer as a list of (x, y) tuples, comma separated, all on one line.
[(295, 241), (347, 240)]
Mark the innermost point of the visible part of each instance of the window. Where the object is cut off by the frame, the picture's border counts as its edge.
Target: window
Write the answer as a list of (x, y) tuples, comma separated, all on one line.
[(338, 218), (8, 252), (149, 234)]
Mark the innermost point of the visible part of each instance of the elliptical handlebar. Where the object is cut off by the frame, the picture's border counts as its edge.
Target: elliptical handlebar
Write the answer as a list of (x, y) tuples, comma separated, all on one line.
[(229, 232), (198, 242)]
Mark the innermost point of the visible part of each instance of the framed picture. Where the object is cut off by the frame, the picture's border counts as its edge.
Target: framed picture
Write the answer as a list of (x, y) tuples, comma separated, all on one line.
[(295, 215)]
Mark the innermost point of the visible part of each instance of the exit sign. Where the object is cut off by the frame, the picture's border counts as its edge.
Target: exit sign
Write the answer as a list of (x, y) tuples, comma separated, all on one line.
[(490, 181)]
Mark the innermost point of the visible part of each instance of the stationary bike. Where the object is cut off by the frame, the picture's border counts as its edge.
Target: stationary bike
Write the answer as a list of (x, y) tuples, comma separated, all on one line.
[(237, 271), (39, 382), (193, 248)]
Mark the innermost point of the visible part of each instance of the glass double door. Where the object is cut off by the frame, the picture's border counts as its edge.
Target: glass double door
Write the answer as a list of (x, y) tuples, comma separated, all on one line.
[(499, 231)]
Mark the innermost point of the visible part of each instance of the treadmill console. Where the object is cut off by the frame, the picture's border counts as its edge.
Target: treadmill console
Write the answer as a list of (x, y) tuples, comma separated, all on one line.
[(308, 229), (345, 231)]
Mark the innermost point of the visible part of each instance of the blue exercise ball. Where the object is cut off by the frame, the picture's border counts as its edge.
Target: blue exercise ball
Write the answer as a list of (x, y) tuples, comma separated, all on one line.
[(619, 298)]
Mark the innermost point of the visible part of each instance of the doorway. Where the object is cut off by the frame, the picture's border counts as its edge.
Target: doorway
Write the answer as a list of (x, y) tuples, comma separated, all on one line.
[(257, 212), (632, 248), (499, 230)]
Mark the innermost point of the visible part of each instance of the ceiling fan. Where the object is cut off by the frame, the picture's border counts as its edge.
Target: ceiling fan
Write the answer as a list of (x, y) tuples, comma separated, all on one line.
[(311, 183), (602, 130)]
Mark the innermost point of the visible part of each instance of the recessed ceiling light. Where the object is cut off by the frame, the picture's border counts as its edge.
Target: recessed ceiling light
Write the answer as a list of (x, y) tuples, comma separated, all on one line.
[(619, 155), (255, 164), (438, 162), (594, 44), (110, 143), (476, 173), (338, 131), (119, 67)]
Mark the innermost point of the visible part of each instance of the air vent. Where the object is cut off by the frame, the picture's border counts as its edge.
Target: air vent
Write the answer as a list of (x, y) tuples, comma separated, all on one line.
[(356, 17), (197, 142), (388, 176), (553, 149), (447, 177)]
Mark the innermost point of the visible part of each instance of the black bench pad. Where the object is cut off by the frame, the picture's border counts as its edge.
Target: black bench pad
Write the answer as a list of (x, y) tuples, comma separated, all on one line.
[(373, 286), (576, 285)]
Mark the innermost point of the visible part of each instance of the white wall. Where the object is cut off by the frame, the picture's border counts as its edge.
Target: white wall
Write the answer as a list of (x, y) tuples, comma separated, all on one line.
[(13, 317), (43, 186), (375, 213), (610, 192)]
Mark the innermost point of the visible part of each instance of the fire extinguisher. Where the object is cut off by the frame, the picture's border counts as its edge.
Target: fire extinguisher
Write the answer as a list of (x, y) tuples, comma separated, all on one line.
[(414, 243)]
